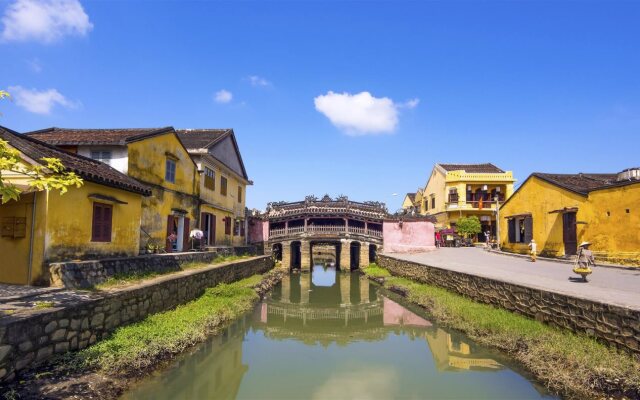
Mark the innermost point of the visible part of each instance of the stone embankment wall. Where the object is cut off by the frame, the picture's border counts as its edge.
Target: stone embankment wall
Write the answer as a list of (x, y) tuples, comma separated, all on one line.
[(29, 339), (86, 274), (617, 326)]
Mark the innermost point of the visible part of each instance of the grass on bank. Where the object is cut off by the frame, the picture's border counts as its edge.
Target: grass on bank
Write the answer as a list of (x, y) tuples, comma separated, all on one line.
[(138, 346), (137, 277), (574, 365)]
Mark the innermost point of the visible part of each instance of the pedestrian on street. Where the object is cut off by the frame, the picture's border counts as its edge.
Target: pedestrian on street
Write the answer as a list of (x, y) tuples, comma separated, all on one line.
[(487, 237), (438, 239), (533, 250), (585, 256)]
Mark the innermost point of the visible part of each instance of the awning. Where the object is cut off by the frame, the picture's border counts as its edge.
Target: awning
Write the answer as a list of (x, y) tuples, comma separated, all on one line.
[(565, 210), (105, 198), (518, 215)]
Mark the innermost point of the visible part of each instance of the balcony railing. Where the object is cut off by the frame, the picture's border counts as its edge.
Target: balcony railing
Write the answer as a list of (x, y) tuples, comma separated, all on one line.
[(471, 205), (324, 229)]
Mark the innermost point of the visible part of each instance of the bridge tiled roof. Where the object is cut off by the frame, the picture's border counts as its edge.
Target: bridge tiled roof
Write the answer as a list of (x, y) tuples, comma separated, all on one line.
[(283, 211)]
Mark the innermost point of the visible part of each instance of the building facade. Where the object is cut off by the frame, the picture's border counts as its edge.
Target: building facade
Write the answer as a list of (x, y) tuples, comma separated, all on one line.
[(222, 186), (156, 158), (454, 191), (99, 219), (560, 211)]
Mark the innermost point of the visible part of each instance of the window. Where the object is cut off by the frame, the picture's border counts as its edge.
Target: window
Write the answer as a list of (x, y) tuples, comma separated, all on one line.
[(209, 178), (170, 171), (223, 186), (520, 229), (239, 194), (227, 226), (453, 195), (102, 156), (433, 202), (101, 224)]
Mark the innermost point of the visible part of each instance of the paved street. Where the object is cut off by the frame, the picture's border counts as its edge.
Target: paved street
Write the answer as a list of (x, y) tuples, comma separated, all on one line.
[(608, 285)]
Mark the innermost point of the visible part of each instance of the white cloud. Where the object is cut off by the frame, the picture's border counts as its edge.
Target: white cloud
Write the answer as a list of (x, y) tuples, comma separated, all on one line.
[(255, 80), (34, 65), (223, 96), (359, 114), (44, 20), (39, 102), (411, 104)]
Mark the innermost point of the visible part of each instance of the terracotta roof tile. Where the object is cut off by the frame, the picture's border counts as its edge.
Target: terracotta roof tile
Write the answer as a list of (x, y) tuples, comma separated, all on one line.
[(473, 168), (88, 169), (581, 183), (67, 136), (200, 138)]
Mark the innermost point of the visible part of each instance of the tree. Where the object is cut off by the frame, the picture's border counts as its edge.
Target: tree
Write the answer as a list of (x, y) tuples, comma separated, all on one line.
[(469, 226), (48, 175)]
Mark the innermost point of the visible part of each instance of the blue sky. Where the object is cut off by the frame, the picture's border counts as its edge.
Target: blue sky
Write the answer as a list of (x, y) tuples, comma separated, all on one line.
[(355, 98)]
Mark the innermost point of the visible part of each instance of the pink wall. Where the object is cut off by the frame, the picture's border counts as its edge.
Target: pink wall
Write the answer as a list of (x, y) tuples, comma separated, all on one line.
[(258, 230), (411, 237)]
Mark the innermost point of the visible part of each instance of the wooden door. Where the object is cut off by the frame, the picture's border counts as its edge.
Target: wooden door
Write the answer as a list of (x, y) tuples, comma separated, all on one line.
[(569, 234)]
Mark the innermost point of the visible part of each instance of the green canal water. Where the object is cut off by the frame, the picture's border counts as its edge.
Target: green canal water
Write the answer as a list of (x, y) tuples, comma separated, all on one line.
[(332, 335)]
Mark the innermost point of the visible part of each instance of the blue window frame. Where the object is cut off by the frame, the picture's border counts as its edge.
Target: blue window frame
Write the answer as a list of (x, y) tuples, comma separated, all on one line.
[(170, 171)]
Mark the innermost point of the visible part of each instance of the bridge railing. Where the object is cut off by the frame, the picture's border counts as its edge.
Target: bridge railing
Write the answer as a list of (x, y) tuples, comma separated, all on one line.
[(330, 229)]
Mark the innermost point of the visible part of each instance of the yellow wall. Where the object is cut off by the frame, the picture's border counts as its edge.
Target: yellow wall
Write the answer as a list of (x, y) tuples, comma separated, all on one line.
[(147, 160), (219, 205), (539, 198), (63, 231), (615, 237), (407, 202)]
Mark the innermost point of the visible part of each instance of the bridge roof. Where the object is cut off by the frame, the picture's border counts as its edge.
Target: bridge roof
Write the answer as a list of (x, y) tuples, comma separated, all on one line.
[(327, 208)]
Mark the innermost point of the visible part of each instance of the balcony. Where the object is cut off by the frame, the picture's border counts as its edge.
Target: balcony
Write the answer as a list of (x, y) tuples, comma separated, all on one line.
[(470, 205)]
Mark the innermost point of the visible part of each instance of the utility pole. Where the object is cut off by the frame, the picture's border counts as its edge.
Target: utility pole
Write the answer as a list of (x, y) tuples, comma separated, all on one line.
[(498, 221)]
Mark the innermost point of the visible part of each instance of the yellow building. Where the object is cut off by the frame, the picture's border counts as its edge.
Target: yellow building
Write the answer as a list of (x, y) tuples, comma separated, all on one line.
[(560, 211), (223, 184), (154, 157), (454, 191), (409, 202), (99, 219)]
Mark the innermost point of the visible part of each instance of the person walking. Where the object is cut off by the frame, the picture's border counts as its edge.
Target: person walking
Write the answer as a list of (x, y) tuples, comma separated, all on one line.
[(584, 260), (438, 238), (533, 250)]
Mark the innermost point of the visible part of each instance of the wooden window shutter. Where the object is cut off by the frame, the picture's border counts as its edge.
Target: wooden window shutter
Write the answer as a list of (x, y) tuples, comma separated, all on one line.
[(101, 222), (168, 245), (187, 231), (528, 229), (512, 230)]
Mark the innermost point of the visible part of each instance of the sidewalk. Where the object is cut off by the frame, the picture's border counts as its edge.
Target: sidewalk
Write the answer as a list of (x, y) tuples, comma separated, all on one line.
[(616, 286)]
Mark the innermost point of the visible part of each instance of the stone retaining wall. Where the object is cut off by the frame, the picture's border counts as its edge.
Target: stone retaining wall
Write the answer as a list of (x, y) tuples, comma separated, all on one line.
[(617, 326), (86, 274), (29, 339)]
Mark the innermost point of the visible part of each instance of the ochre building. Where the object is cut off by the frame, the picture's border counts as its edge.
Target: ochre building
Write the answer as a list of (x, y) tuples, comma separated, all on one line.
[(99, 219), (560, 211), (222, 186), (454, 191), (156, 158)]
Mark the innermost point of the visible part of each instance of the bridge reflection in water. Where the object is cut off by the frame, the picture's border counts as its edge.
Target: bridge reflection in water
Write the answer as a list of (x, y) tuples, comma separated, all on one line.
[(322, 310)]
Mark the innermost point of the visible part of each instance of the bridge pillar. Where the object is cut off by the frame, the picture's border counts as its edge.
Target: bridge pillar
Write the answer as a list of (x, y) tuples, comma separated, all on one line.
[(305, 285), (345, 255), (364, 290), (305, 253), (364, 254), (286, 255), (285, 295), (345, 289)]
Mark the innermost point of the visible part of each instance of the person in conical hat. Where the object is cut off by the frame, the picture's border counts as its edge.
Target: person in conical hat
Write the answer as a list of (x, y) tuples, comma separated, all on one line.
[(533, 250), (585, 256)]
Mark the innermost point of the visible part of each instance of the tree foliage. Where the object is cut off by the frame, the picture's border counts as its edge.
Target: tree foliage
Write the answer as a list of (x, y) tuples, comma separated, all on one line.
[(49, 174), (469, 226)]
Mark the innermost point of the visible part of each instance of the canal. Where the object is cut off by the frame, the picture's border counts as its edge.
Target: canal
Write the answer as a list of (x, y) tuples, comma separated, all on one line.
[(332, 335)]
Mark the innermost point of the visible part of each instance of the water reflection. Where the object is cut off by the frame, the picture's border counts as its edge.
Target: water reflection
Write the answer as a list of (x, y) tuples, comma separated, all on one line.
[(331, 335)]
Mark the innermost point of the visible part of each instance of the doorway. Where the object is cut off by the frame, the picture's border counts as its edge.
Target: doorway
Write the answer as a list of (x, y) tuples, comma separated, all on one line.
[(569, 233)]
